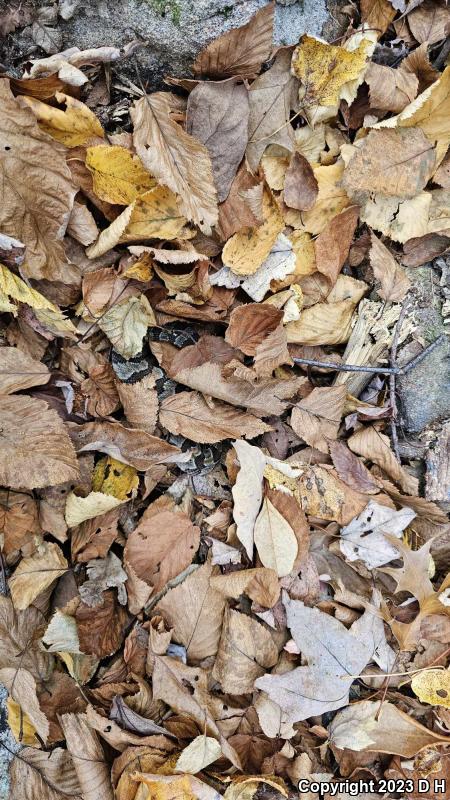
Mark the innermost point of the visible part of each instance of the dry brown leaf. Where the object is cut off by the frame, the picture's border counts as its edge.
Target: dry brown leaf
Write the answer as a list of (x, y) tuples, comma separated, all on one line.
[(323, 495), (418, 63), (272, 352), (331, 200), (250, 324), (246, 251), (188, 414), (300, 184), (175, 158), (272, 96), (88, 757), (240, 51), (246, 651), (36, 573), (100, 391), (20, 633), (18, 371), (390, 89), (260, 584), (21, 687), (19, 523), (39, 214), (129, 445), (243, 206), (351, 469), (393, 162), (217, 116), (47, 776), (161, 547), (140, 403), (101, 628), (373, 445), (430, 22), (317, 418), (395, 284), (377, 14), (195, 610), (333, 244)]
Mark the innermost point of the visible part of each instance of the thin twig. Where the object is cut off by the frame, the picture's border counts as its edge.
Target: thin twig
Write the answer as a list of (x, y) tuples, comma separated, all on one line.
[(392, 387), (378, 369)]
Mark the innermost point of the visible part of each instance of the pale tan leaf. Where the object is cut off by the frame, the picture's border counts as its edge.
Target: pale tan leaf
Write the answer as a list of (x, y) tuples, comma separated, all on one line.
[(377, 14), (79, 509), (300, 184), (390, 89), (47, 776), (126, 323), (129, 445), (413, 576), (82, 225), (260, 584), (240, 51), (20, 633), (368, 537), (19, 371), (246, 651), (200, 753), (36, 573), (175, 158), (246, 251), (88, 757), (430, 22), (323, 495), (247, 492), (195, 611), (162, 546), (140, 403), (38, 214), (375, 446), (395, 284), (187, 414), (21, 687), (317, 418), (275, 540)]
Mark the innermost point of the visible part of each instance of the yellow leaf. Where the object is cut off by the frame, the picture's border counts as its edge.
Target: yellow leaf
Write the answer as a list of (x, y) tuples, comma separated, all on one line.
[(72, 126), (114, 478), (14, 288), (21, 726), (248, 249), (154, 215), (118, 175), (141, 270), (433, 686), (324, 70), (201, 752), (331, 200), (275, 540), (78, 509)]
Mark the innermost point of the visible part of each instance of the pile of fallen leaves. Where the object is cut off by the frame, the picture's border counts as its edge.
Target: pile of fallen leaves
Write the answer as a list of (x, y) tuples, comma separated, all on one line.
[(283, 615)]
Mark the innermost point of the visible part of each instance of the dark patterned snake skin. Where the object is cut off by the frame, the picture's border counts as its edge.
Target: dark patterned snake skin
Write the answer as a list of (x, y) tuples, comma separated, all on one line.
[(204, 457)]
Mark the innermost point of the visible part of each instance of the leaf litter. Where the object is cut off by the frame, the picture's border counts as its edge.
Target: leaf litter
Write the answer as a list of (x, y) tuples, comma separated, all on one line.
[(217, 574)]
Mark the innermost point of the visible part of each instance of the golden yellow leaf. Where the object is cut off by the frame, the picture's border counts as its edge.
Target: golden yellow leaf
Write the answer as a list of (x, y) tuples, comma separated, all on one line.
[(72, 126), (432, 686), (36, 573), (118, 175), (331, 200), (115, 478), (154, 215), (324, 70), (275, 540), (141, 270), (21, 726), (430, 111), (246, 250)]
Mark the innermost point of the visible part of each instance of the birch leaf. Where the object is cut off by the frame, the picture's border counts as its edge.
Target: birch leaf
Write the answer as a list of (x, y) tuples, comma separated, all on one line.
[(36, 573)]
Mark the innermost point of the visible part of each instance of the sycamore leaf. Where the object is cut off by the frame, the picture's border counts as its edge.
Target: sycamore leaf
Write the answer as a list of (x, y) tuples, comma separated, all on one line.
[(364, 537), (153, 215), (36, 573), (125, 324), (246, 650), (240, 51), (200, 753), (188, 414), (47, 776), (317, 418), (73, 126), (78, 509), (118, 175), (175, 158), (246, 251), (275, 540), (38, 214), (432, 686), (36, 449), (373, 445), (395, 284)]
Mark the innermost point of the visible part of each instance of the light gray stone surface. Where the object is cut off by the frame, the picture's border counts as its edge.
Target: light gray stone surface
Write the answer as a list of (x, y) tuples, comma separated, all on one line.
[(8, 740)]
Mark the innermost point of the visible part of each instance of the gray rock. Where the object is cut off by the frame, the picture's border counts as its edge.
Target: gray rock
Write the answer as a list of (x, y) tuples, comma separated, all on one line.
[(424, 392), (173, 30), (6, 741)]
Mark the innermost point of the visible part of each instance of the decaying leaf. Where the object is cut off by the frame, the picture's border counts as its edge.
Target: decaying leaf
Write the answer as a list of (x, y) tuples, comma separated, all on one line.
[(432, 686), (316, 419), (394, 282), (364, 537)]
